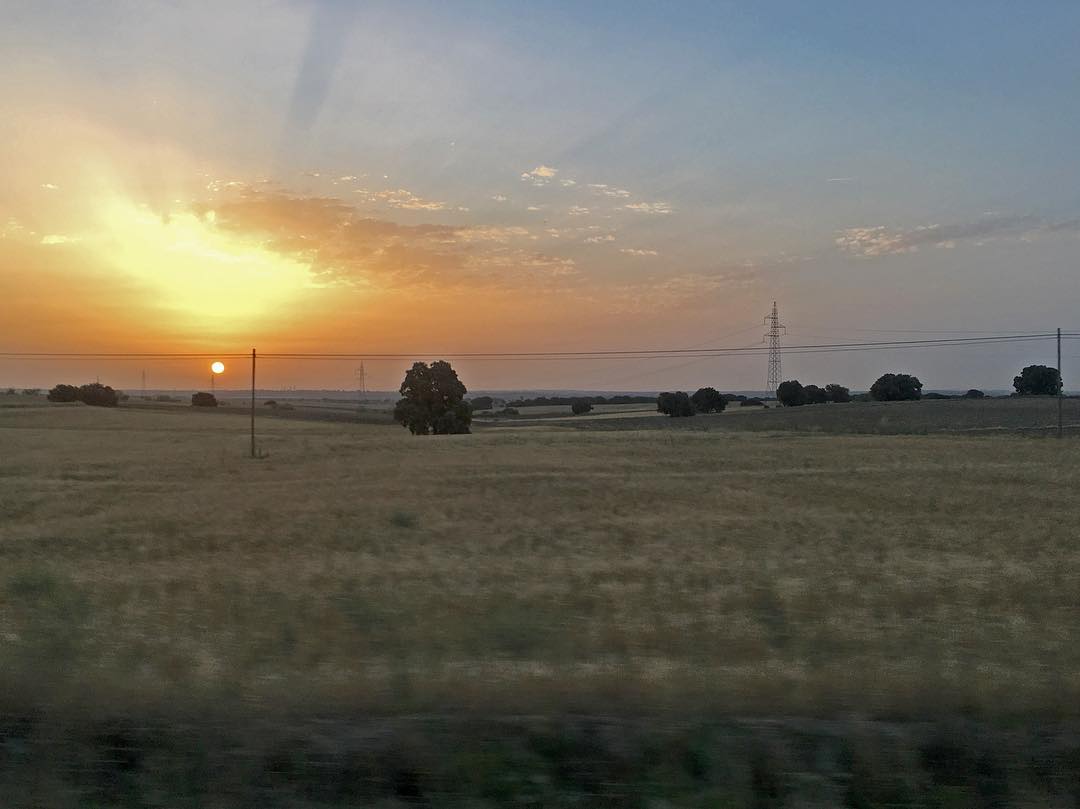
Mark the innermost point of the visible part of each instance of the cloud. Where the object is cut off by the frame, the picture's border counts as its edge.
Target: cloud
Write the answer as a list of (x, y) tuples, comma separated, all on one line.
[(871, 242), (58, 238), (50, 186), (403, 199), (609, 191), (541, 175), (633, 251), (499, 197), (577, 210), (840, 180), (649, 207), (607, 237), (567, 183)]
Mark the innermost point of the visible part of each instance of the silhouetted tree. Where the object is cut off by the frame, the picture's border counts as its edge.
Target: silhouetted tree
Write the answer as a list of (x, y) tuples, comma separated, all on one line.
[(708, 400), (203, 399), (433, 400), (675, 404), (838, 393), (97, 395), (753, 402), (580, 406), (64, 393), (791, 393), (482, 403), (815, 395), (1038, 380), (974, 393), (895, 388)]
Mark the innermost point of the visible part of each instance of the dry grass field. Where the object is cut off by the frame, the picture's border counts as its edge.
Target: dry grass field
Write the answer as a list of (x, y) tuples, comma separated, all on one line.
[(149, 568)]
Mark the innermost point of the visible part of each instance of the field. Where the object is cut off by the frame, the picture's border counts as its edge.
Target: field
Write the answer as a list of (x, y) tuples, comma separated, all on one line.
[(668, 576)]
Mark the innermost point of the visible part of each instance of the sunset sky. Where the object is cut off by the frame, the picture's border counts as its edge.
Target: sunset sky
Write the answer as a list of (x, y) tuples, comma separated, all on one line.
[(477, 176)]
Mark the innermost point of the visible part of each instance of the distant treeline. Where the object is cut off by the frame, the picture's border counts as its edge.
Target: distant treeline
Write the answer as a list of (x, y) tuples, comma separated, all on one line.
[(566, 401)]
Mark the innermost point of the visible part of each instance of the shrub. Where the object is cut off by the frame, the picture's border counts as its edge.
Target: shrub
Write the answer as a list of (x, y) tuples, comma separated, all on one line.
[(815, 395), (482, 403), (676, 404), (580, 407), (753, 402), (203, 399), (838, 393), (708, 400), (164, 397), (63, 393), (270, 403), (791, 393), (10, 391), (974, 393), (508, 411), (1038, 380), (31, 391), (97, 395), (896, 388)]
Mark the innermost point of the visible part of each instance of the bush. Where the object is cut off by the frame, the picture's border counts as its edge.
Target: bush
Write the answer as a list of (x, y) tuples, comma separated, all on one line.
[(936, 395), (974, 393), (580, 407), (31, 391), (1038, 380), (791, 393), (63, 393), (270, 403), (751, 403), (838, 393), (508, 411), (896, 388), (164, 397), (97, 395), (203, 399), (708, 400), (815, 395), (676, 404), (10, 391), (482, 403)]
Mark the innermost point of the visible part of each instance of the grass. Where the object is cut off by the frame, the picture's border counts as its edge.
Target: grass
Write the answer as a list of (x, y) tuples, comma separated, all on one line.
[(685, 575)]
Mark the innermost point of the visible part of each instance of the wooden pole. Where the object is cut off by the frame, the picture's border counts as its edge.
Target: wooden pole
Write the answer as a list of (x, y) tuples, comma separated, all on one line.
[(1061, 385), (253, 403)]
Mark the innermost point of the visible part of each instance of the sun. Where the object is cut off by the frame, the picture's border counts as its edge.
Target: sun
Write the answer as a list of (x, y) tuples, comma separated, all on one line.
[(217, 367)]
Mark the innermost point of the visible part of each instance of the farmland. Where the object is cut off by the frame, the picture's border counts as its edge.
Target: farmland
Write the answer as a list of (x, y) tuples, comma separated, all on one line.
[(664, 575)]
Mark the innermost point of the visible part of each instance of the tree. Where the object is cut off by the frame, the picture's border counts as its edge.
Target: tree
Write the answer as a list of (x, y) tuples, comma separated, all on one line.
[(838, 393), (676, 404), (708, 400), (433, 400), (482, 403), (895, 388), (203, 399), (64, 393), (974, 393), (791, 393), (580, 406), (1038, 380), (97, 395), (752, 402), (815, 395)]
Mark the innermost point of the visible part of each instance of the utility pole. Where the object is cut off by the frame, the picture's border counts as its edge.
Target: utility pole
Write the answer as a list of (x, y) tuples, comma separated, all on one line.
[(361, 375), (1061, 385), (144, 383), (253, 403), (772, 320)]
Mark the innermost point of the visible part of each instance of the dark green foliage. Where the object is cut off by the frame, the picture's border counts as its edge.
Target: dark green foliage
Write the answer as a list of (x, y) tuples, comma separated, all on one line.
[(791, 393), (433, 400), (708, 400), (64, 393), (562, 401), (97, 395), (754, 402), (482, 403), (896, 388), (974, 393), (31, 391), (815, 395), (203, 399), (270, 403), (675, 404), (1038, 380), (936, 395), (838, 393), (580, 406)]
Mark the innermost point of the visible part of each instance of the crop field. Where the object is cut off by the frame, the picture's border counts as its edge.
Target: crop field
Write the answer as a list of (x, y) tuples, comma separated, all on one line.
[(149, 568)]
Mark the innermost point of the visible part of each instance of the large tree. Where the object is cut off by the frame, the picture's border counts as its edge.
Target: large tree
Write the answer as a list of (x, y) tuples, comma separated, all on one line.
[(708, 400), (1038, 380), (675, 404), (815, 395), (895, 388), (433, 400), (838, 393), (791, 393)]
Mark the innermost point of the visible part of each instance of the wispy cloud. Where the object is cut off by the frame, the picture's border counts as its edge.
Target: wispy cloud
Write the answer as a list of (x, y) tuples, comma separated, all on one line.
[(541, 175), (649, 207), (598, 239), (634, 251), (879, 240)]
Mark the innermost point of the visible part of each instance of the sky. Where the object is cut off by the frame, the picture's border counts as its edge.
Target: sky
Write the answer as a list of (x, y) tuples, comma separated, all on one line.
[(436, 178)]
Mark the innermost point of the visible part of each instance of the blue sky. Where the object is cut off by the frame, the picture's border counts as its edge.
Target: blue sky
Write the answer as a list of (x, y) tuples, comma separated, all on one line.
[(868, 165)]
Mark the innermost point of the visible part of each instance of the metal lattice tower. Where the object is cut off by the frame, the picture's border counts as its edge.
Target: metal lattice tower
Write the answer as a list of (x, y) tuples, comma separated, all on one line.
[(775, 329)]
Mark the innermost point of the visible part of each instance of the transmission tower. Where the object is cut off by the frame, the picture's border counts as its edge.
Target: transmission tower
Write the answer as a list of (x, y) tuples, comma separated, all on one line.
[(775, 329)]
